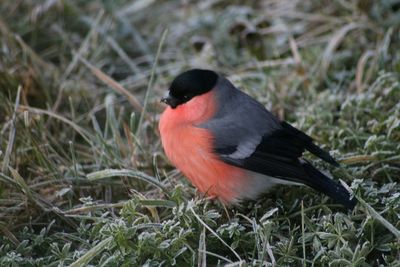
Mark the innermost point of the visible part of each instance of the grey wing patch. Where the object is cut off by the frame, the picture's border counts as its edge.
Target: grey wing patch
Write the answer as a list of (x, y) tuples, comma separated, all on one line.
[(245, 148), (240, 123)]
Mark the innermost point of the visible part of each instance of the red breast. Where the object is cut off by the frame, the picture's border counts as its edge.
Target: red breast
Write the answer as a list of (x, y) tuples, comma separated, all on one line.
[(190, 148)]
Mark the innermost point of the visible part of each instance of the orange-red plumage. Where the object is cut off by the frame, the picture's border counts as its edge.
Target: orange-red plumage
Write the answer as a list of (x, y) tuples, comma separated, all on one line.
[(189, 148)]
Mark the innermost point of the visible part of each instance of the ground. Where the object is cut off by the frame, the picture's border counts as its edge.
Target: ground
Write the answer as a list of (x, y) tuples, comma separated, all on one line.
[(84, 180)]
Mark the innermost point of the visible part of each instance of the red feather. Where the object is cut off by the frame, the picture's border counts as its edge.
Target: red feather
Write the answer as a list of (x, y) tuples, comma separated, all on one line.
[(190, 149)]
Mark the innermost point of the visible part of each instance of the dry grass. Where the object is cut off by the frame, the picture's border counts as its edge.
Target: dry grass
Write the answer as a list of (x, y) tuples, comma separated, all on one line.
[(84, 179)]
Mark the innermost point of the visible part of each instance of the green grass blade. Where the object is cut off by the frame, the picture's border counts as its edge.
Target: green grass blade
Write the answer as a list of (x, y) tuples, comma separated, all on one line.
[(99, 175), (374, 213), (93, 252), (150, 84)]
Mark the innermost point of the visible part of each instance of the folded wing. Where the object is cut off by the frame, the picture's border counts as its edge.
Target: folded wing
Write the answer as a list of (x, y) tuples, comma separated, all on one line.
[(250, 137)]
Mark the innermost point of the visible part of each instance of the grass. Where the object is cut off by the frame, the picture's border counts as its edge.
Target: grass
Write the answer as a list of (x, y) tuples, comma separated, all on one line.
[(84, 180)]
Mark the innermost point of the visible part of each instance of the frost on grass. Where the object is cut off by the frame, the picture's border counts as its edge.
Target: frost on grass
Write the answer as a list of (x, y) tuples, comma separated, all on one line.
[(84, 179)]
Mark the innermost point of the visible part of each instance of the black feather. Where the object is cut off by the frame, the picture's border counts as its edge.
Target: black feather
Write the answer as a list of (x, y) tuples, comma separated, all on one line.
[(322, 154), (271, 165), (329, 187), (307, 142)]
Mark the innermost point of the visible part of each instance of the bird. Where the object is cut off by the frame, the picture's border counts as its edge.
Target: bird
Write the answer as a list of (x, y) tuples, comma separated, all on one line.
[(231, 147)]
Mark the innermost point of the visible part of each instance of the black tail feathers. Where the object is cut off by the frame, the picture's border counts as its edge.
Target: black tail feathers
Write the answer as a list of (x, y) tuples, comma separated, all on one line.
[(307, 143), (322, 154), (329, 187)]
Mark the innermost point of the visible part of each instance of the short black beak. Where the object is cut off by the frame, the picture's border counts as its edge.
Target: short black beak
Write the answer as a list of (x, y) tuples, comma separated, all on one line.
[(171, 101)]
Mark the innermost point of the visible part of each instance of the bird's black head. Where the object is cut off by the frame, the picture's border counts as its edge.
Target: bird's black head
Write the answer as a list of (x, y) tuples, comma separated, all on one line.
[(189, 84)]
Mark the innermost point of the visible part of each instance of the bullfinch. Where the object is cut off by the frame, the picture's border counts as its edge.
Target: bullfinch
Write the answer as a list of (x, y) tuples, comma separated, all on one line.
[(231, 147)]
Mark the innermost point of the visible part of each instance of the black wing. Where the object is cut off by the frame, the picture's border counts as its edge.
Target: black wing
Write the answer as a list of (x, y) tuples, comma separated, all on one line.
[(278, 155), (250, 137), (292, 142)]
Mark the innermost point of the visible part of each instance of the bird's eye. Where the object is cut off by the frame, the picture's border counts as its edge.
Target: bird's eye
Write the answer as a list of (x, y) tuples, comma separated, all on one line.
[(185, 97)]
